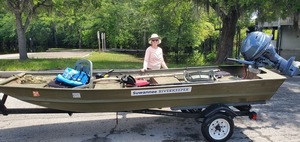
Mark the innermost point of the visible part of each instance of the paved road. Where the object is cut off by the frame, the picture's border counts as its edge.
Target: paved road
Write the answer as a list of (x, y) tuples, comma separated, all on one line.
[(39, 55), (278, 121)]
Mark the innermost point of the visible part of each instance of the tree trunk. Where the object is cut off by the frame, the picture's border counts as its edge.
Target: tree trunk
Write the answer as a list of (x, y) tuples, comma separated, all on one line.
[(145, 40), (177, 45), (79, 39), (21, 37), (54, 35), (227, 36)]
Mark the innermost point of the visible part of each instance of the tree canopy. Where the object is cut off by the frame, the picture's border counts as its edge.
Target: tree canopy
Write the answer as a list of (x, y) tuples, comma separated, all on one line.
[(192, 30)]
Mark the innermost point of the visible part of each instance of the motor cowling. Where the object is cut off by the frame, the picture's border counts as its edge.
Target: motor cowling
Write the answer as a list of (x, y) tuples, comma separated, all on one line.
[(254, 45), (258, 50)]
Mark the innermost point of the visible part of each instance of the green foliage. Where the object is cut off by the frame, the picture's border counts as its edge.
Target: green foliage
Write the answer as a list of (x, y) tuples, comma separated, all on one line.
[(273, 9), (184, 25), (196, 59), (7, 32), (38, 34), (7, 28), (179, 23), (211, 57)]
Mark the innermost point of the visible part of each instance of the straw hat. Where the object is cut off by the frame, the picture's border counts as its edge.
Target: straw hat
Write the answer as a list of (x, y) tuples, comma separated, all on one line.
[(154, 36)]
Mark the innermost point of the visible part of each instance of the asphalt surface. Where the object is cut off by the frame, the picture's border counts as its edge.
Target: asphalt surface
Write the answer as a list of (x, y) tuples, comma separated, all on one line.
[(45, 55), (278, 121)]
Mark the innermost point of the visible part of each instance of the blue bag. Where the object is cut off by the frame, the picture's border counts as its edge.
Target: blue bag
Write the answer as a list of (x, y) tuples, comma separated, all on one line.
[(73, 77)]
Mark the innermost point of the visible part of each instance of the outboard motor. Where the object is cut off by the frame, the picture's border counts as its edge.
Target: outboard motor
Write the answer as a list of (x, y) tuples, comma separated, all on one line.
[(258, 51)]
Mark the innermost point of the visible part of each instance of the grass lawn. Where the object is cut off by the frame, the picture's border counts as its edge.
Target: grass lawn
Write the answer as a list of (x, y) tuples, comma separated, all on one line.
[(108, 60)]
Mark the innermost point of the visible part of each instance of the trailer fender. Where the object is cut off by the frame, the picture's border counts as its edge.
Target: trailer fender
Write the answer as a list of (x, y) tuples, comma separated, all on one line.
[(218, 108)]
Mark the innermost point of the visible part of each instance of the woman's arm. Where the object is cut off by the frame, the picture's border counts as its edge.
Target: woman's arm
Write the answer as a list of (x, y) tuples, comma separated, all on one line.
[(163, 64)]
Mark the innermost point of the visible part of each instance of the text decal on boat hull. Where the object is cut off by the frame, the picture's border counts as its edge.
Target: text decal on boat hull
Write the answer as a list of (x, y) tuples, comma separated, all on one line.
[(160, 91)]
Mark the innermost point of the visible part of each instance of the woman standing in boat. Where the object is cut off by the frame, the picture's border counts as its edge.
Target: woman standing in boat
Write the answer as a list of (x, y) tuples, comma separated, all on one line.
[(154, 59)]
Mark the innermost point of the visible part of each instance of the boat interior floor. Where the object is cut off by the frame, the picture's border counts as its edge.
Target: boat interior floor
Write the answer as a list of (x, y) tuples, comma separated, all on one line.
[(43, 81)]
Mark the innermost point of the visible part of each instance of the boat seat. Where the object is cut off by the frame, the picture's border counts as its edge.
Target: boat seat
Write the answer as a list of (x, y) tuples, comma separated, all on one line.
[(208, 76), (198, 76), (86, 66), (164, 80)]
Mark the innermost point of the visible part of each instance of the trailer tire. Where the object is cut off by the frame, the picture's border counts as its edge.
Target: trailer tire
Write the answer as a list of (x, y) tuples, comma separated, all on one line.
[(217, 128)]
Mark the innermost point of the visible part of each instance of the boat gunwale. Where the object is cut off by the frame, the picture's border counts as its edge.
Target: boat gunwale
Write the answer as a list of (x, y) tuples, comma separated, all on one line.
[(275, 76), (149, 87)]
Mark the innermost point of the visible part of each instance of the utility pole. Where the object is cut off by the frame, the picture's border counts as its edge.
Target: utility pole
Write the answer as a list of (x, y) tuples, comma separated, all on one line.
[(102, 40), (98, 36)]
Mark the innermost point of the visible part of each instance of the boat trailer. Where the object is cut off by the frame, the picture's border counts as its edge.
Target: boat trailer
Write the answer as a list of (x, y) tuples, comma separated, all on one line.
[(217, 119)]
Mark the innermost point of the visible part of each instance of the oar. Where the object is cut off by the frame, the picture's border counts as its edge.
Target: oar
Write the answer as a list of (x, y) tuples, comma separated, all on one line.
[(148, 76), (12, 78), (159, 75), (136, 77)]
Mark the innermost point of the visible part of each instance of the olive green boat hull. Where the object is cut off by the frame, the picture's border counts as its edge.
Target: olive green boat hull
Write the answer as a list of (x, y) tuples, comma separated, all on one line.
[(244, 91)]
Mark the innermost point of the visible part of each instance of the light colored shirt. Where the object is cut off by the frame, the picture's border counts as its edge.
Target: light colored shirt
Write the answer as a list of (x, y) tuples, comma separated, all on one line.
[(154, 59)]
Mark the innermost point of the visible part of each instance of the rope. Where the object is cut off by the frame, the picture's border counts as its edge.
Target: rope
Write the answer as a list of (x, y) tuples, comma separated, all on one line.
[(30, 79)]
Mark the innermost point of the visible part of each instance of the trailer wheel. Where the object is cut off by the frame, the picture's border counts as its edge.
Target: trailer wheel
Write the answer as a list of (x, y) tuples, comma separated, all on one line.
[(217, 128)]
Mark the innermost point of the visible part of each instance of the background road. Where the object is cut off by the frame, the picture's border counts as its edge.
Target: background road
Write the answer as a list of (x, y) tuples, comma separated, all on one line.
[(39, 55), (278, 121)]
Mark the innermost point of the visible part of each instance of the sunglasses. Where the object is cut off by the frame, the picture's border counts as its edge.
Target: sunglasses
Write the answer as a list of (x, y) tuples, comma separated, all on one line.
[(154, 40)]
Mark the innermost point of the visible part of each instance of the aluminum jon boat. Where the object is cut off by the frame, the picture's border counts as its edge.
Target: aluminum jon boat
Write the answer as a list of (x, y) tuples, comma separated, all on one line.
[(186, 87), (215, 95)]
